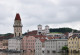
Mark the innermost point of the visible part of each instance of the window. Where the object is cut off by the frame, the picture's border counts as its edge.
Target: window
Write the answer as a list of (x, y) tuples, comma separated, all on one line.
[(59, 46), (19, 34), (76, 38)]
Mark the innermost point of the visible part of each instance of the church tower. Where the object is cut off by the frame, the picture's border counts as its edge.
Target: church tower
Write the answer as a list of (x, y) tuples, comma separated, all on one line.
[(39, 29), (46, 29), (17, 26)]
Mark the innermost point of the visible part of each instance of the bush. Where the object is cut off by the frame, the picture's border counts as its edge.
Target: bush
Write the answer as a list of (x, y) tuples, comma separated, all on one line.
[(65, 48)]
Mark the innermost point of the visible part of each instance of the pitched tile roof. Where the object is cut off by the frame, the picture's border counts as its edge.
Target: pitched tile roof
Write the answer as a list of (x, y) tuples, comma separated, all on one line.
[(42, 40), (50, 37), (32, 32), (75, 35), (40, 36), (56, 37), (7, 37)]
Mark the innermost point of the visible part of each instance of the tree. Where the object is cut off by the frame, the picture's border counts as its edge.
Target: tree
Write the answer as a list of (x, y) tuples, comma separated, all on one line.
[(62, 30), (65, 48)]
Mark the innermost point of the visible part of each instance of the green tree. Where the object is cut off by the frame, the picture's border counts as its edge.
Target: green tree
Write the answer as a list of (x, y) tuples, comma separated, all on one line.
[(65, 48), (62, 30)]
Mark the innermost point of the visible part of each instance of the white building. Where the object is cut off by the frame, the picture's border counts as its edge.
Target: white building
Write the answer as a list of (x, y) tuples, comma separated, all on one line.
[(55, 45), (38, 46), (14, 44), (42, 31)]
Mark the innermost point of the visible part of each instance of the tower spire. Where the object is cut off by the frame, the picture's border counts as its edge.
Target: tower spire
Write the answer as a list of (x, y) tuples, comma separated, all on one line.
[(17, 17)]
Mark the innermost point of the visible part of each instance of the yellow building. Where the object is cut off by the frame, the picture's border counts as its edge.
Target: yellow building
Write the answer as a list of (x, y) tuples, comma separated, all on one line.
[(74, 43)]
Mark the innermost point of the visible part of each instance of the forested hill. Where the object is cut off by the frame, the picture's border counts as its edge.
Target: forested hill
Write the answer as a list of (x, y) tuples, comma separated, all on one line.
[(62, 30)]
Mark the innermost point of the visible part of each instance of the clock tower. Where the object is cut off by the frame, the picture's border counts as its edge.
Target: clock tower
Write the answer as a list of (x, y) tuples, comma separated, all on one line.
[(17, 26)]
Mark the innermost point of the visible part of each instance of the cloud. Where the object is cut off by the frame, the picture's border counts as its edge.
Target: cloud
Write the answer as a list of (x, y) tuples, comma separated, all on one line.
[(34, 12)]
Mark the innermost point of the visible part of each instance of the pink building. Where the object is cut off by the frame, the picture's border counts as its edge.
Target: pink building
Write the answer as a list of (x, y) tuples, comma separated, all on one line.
[(28, 43)]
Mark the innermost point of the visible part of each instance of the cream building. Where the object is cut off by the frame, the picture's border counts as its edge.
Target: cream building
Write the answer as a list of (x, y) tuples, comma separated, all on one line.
[(74, 43)]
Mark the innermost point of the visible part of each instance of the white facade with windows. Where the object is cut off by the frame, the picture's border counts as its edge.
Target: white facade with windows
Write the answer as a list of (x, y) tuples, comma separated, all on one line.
[(38, 46), (55, 45), (14, 44)]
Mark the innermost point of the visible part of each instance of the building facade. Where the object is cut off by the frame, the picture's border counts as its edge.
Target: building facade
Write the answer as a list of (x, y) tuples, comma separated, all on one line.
[(29, 43), (55, 45), (14, 44), (74, 43), (38, 46), (4, 44)]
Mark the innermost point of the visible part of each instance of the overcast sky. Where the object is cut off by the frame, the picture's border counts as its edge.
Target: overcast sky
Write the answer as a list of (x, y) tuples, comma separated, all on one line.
[(55, 13)]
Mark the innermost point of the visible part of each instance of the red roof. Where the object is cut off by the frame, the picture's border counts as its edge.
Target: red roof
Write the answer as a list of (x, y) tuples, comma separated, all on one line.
[(6, 37), (17, 17), (50, 37), (56, 37), (42, 40), (40, 36), (32, 32)]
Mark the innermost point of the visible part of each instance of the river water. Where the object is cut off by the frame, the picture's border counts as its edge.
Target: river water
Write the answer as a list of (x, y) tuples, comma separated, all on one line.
[(29, 53)]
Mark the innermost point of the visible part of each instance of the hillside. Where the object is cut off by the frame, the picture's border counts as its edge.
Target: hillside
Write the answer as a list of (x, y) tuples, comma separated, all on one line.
[(62, 30)]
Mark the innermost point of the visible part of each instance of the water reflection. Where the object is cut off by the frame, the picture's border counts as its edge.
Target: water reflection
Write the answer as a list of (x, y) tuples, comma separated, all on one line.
[(38, 53)]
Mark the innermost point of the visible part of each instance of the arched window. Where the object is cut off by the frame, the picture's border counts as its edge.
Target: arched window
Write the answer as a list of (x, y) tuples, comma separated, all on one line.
[(19, 34)]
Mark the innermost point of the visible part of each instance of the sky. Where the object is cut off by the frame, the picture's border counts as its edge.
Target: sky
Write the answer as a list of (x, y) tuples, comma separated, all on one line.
[(55, 13)]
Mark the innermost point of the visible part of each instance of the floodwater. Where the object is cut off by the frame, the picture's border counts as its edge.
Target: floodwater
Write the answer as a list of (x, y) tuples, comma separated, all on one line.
[(29, 53)]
